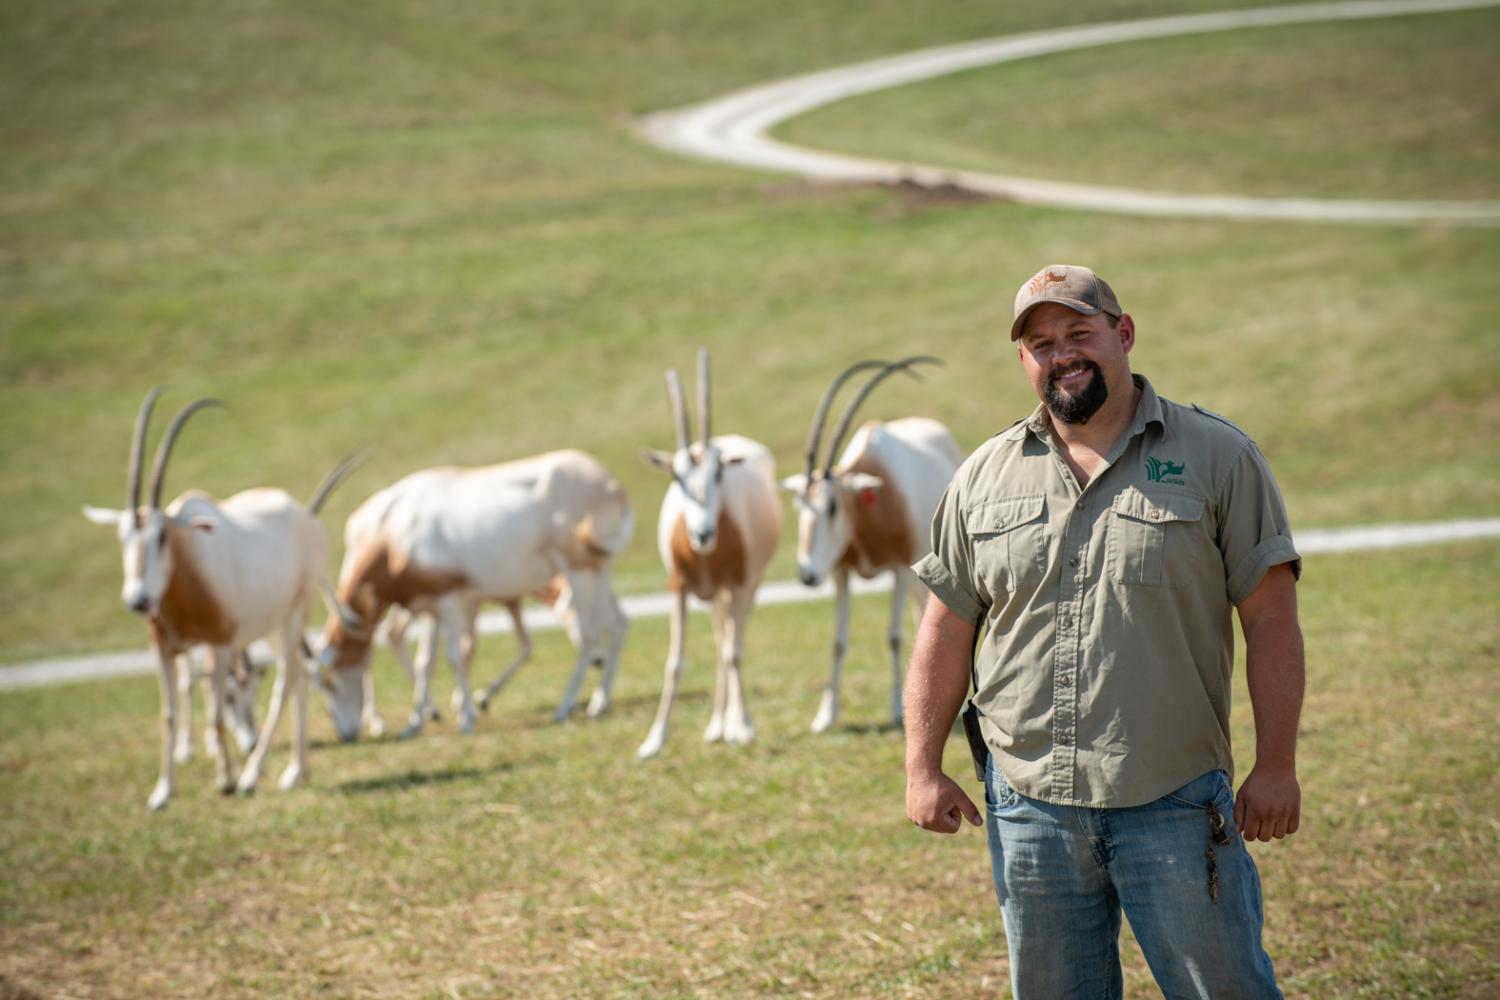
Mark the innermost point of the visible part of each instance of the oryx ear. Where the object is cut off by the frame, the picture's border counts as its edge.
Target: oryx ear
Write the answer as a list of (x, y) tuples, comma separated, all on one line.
[(795, 484), (736, 460), (102, 515), (201, 523), (657, 459), (859, 482)]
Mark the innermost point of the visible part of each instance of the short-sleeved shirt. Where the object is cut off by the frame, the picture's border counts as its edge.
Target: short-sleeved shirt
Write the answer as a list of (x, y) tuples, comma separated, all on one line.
[(1103, 675)]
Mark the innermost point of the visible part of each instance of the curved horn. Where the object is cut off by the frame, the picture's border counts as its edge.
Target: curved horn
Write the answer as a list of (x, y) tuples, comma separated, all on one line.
[(905, 365), (164, 450), (815, 431), (679, 408), (138, 452), (334, 479), (703, 399)]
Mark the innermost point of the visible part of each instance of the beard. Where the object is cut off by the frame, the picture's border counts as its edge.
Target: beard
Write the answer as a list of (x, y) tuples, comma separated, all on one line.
[(1076, 409)]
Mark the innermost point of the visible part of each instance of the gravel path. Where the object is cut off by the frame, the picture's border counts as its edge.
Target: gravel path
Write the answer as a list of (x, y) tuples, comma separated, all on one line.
[(733, 128), (70, 670)]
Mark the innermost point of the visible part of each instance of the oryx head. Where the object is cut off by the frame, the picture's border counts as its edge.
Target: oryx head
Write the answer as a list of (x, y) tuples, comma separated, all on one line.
[(342, 656), (146, 530), (824, 497), (697, 468)]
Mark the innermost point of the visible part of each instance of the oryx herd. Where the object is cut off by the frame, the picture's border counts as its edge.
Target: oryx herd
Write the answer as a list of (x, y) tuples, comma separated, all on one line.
[(210, 577)]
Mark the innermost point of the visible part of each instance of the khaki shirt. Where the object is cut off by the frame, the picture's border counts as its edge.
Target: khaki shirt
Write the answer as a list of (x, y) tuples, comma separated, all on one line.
[(1102, 678)]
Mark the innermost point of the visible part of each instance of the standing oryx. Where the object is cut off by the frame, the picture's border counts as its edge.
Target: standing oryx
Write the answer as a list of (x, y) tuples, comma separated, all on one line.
[(719, 525), (220, 574), (443, 539), (870, 513)]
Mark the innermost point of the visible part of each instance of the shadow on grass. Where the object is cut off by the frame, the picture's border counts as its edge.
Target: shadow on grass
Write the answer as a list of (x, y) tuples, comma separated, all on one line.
[(419, 779)]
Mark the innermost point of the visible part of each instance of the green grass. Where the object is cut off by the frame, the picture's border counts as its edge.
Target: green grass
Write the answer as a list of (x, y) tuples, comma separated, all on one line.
[(372, 224), (438, 236), (538, 860), (1400, 108)]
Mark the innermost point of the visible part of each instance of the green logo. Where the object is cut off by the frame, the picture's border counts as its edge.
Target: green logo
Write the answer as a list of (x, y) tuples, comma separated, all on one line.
[(1158, 471)]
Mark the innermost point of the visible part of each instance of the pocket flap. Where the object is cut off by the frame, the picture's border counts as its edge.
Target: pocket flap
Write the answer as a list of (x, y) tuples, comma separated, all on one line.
[(1158, 506), (1003, 515)]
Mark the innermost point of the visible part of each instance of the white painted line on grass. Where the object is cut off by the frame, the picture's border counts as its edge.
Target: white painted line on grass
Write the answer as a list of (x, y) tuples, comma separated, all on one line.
[(71, 670), (733, 128)]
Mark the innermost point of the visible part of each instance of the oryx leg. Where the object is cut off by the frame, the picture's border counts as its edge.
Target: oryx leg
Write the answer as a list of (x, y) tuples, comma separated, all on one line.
[(216, 698), (182, 752), (250, 775), (369, 716), (904, 577), (291, 656), (422, 709), (167, 678), (671, 673), (523, 655), (456, 622), (615, 621), (239, 693), (585, 633), (738, 729), (828, 708), (718, 611)]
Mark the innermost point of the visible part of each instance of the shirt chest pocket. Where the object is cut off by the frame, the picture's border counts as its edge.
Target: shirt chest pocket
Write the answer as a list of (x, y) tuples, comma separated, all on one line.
[(1010, 544), (1155, 538)]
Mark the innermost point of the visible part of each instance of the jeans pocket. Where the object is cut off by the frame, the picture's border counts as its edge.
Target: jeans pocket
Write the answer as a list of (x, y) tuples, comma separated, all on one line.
[(998, 795)]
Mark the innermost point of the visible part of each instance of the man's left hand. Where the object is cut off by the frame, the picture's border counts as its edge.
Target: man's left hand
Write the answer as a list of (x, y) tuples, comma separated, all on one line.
[(1269, 805)]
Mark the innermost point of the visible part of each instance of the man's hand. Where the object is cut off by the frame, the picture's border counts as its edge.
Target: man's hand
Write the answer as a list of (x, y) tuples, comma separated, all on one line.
[(935, 802), (1269, 805)]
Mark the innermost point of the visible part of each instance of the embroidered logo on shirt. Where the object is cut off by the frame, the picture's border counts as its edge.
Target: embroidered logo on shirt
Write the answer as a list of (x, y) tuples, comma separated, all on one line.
[(1163, 470)]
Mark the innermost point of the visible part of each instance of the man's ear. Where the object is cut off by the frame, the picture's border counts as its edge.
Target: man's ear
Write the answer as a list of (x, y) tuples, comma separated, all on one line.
[(1126, 329), (795, 484), (102, 515), (657, 459)]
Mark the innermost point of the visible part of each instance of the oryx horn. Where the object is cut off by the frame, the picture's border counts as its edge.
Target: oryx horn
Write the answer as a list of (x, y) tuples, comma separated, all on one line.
[(164, 450), (137, 453), (679, 408), (904, 365), (703, 399), (815, 431)]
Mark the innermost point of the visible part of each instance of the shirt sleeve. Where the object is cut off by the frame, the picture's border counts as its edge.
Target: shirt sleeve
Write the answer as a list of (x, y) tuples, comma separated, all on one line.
[(948, 570), (1254, 531)]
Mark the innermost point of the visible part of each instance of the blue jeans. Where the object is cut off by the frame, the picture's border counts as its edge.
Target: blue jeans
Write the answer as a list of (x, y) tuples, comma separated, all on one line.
[(1064, 873)]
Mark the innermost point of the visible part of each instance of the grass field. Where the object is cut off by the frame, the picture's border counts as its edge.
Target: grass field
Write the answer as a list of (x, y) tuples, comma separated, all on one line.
[(369, 224), (536, 860), (1317, 110)]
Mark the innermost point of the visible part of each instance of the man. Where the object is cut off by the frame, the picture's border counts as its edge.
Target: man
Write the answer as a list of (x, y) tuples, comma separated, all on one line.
[(1101, 543)]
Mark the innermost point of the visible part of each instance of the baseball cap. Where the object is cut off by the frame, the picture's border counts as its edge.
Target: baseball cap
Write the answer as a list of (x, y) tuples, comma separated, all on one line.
[(1069, 285)]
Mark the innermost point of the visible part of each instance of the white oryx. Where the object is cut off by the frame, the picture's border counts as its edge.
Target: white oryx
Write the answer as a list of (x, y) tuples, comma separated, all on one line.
[(427, 622), (220, 574), (719, 525), (870, 513), (442, 540)]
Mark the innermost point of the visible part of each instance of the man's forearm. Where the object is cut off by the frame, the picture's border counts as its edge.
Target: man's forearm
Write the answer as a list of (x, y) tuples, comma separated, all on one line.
[(1275, 669), (936, 683)]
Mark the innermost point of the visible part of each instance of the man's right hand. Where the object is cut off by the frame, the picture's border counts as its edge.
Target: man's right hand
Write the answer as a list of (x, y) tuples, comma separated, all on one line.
[(935, 802)]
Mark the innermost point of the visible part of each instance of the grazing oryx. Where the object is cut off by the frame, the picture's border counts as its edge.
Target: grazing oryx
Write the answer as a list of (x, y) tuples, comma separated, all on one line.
[(400, 620), (870, 513), (443, 539), (719, 525), (220, 574)]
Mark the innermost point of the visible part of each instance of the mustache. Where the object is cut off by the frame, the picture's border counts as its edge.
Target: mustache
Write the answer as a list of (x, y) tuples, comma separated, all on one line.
[(1060, 372)]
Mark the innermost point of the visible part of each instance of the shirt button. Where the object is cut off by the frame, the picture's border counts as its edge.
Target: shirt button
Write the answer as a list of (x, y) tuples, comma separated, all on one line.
[(1067, 621), (1073, 563), (1156, 515), (1064, 681), (1062, 740)]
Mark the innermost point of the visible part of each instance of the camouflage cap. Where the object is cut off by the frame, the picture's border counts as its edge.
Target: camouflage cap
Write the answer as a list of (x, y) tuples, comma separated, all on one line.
[(1069, 285)]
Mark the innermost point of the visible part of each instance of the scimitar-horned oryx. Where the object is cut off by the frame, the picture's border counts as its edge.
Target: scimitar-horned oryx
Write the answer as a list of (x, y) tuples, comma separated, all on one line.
[(719, 525), (870, 513), (442, 539), (221, 574)]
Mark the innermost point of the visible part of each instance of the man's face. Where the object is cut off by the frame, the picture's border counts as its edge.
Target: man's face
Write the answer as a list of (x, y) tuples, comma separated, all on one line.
[(1075, 362)]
